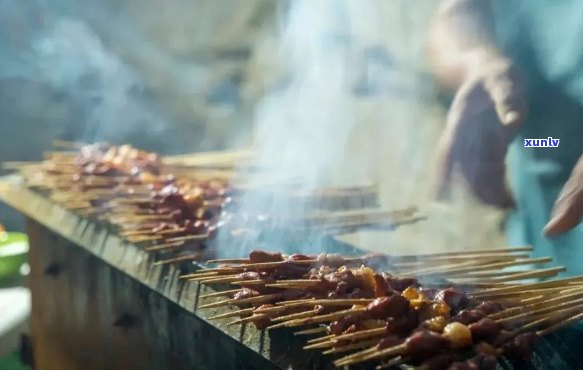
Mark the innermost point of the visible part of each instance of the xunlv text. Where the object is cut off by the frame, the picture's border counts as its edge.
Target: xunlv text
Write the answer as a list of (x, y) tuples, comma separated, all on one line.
[(541, 143)]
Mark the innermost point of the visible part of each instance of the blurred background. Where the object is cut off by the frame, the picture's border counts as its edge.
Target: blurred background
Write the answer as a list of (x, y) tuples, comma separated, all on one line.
[(182, 76)]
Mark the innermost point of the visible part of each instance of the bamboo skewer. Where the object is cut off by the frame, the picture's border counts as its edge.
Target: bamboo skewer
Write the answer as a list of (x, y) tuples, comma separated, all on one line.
[(352, 336), (452, 271), (243, 312), (188, 258), (259, 299), (433, 256), (543, 302), (512, 289), (317, 330), (351, 347), (220, 294), (316, 320)]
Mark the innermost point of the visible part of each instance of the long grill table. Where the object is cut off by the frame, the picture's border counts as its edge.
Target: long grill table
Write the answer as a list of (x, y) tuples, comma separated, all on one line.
[(98, 303)]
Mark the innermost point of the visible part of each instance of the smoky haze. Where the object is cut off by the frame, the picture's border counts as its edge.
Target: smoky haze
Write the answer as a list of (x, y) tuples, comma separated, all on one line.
[(351, 107), (347, 108), (308, 129)]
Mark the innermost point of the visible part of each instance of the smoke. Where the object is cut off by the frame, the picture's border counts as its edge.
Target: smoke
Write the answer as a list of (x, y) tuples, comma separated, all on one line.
[(352, 106), (72, 58), (60, 50), (307, 129)]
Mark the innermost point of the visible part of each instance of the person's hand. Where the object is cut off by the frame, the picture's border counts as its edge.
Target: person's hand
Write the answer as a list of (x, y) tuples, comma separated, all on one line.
[(568, 210), (481, 123)]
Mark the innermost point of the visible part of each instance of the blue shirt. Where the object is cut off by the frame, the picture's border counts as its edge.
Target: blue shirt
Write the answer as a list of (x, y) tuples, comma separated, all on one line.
[(545, 40)]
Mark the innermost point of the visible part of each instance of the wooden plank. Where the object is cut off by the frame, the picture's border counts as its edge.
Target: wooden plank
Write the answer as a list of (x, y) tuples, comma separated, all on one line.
[(84, 279), (88, 315)]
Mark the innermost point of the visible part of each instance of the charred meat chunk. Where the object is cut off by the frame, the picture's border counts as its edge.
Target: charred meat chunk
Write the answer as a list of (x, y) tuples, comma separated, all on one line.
[(485, 329), (467, 317), (389, 341), (489, 307), (246, 293), (257, 256), (402, 325), (453, 298), (393, 306), (426, 343)]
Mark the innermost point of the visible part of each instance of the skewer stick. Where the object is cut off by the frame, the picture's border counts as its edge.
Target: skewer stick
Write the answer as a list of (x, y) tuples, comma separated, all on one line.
[(229, 260), (352, 336), (259, 299), (318, 330), (351, 347), (202, 237), (217, 280), (485, 252), (525, 294), (560, 325), (468, 253), (141, 239), (246, 283), (494, 274), (467, 264), (285, 303), (577, 303), (525, 287), (251, 318), (386, 352), (441, 261), (216, 271), (317, 319), (489, 266), (243, 312), (545, 301), (164, 247), (532, 274), (295, 316), (189, 258), (329, 302), (321, 339), (220, 294)]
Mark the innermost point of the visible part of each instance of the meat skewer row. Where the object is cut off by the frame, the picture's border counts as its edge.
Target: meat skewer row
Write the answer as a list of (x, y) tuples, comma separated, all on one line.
[(488, 312), (242, 262), (316, 283), (346, 286), (105, 160), (336, 286), (456, 336), (517, 344), (463, 317), (263, 260), (447, 304)]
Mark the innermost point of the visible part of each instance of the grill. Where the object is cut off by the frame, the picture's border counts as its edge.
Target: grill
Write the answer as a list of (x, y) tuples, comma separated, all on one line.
[(101, 303)]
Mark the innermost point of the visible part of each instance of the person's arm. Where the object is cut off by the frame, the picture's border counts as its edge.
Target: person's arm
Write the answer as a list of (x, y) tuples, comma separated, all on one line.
[(461, 40), (488, 103)]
